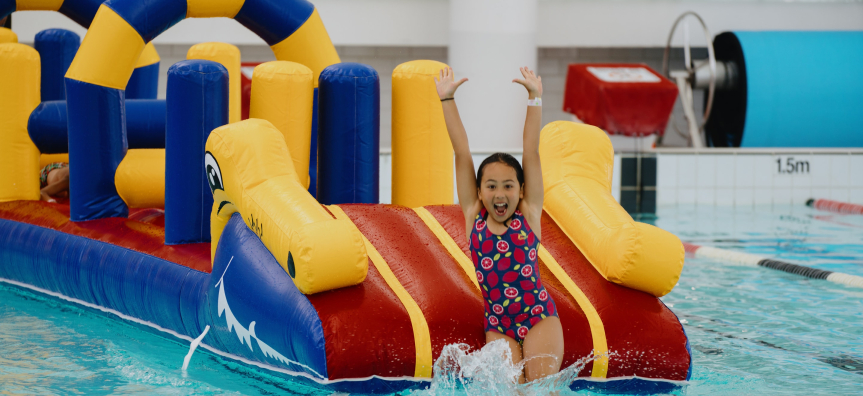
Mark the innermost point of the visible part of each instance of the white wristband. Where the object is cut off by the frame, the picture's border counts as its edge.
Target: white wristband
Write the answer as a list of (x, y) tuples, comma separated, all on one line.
[(534, 102)]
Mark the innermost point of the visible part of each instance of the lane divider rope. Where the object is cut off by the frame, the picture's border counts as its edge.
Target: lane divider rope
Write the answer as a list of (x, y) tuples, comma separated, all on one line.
[(422, 337), (751, 260), (835, 206), (449, 243)]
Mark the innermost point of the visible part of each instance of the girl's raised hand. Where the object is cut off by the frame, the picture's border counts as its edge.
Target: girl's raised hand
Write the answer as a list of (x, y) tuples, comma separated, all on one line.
[(445, 85), (531, 82)]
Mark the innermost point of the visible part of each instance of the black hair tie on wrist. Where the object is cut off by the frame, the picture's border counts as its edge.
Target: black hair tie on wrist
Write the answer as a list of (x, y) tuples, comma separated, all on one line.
[(446, 99)]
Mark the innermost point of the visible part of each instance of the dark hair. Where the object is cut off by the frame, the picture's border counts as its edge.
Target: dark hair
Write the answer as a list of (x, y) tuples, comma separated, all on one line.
[(502, 158)]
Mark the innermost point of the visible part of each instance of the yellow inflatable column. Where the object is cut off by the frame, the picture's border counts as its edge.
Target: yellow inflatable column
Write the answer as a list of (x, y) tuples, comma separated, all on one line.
[(7, 36), (422, 152), (283, 93), (140, 178), (20, 74), (253, 175), (577, 169), (229, 56)]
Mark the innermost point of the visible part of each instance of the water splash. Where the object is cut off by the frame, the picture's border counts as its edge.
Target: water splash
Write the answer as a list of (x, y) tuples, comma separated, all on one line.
[(490, 371)]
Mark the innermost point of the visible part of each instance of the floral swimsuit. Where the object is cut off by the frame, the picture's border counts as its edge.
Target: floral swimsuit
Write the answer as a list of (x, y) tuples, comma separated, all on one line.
[(515, 299)]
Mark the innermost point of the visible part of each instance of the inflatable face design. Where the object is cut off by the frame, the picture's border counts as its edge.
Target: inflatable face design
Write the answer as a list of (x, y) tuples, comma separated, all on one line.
[(250, 172)]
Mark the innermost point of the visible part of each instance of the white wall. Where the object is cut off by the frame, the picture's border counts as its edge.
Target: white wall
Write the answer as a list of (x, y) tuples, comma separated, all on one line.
[(561, 23)]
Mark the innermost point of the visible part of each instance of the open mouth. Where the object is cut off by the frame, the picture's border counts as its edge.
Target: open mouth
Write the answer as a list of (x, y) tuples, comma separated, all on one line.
[(500, 208)]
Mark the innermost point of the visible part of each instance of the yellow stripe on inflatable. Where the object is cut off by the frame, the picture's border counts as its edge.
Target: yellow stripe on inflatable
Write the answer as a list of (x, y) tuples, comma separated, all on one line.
[(228, 56), (597, 329), (310, 45), (38, 5), (20, 73), (109, 52), (7, 36), (422, 337), (46, 159), (148, 57), (256, 176), (577, 164), (422, 152), (283, 93), (213, 8), (140, 178), (449, 243)]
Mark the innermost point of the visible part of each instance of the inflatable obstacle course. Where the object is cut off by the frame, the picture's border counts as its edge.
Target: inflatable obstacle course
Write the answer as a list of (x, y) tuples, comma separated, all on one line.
[(341, 295)]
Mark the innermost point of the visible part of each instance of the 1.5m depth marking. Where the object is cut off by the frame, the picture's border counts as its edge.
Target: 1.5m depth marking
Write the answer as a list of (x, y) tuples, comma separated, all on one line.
[(790, 166)]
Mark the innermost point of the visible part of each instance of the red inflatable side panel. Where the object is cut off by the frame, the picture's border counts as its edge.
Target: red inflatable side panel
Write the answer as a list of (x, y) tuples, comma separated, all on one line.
[(451, 304), (146, 236), (576, 330), (367, 330), (646, 337)]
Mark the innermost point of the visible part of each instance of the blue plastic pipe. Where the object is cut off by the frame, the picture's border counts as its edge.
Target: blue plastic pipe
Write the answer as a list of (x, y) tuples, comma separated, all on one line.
[(197, 101), (57, 48), (145, 125), (803, 89), (348, 134)]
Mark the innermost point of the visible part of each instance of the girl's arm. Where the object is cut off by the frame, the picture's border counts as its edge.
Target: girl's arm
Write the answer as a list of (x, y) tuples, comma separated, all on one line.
[(531, 204), (464, 172)]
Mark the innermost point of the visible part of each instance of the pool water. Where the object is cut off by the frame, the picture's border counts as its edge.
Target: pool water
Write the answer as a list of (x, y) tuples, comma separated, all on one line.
[(752, 330)]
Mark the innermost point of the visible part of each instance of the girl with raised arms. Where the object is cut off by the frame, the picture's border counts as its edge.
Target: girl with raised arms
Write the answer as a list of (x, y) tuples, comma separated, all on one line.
[(502, 207)]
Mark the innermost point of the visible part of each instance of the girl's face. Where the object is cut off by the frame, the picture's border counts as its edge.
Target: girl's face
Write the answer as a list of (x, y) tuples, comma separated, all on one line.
[(499, 191)]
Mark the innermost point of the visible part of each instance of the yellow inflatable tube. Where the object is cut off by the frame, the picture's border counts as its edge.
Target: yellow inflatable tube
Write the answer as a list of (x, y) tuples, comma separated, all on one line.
[(577, 162), (251, 172), (140, 178)]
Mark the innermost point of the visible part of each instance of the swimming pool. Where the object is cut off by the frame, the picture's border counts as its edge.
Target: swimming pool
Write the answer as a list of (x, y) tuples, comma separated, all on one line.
[(752, 330)]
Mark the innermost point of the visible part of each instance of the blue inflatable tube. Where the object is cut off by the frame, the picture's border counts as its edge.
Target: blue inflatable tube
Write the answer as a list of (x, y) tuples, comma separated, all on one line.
[(144, 83), (145, 125), (248, 296), (57, 48), (348, 134), (794, 89), (198, 103)]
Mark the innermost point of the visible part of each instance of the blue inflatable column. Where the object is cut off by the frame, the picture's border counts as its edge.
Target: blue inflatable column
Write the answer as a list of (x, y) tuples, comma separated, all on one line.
[(56, 49), (97, 144), (197, 103), (348, 134)]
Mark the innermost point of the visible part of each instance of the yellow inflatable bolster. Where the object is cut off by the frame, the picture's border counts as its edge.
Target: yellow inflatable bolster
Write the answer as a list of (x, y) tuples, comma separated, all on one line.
[(422, 152), (283, 93), (256, 178), (20, 73), (148, 56), (228, 56), (7, 36), (140, 178), (46, 159), (577, 169)]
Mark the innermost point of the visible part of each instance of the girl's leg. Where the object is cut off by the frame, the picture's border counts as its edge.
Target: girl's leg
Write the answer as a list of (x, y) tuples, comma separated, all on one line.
[(543, 349), (513, 345)]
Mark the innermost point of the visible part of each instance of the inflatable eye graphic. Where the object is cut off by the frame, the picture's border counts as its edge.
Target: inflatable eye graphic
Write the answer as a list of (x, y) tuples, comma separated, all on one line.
[(214, 174)]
